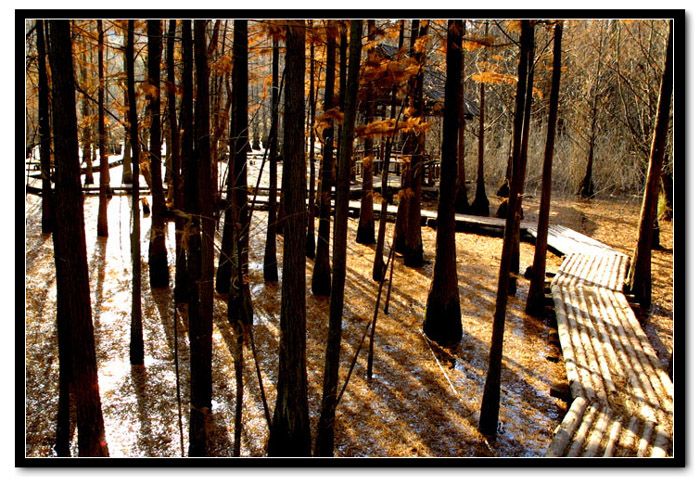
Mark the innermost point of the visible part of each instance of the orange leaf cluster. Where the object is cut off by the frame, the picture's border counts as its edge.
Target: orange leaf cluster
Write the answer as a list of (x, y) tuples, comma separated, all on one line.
[(325, 120), (493, 77), (223, 65), (389, 72)]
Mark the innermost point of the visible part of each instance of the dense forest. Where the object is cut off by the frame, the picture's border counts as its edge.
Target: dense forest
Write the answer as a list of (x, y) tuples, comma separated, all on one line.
[(327, 237)]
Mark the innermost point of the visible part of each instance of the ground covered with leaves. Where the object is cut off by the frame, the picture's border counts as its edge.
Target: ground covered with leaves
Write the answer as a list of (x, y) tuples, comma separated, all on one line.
[(422, 400)]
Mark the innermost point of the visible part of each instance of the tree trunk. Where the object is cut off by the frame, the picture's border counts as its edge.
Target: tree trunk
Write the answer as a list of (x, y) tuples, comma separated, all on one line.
[(365, 227), (378, 267), (310, 232), (535, 296), (47, 216), (321, 278), (270, 273), (127, 173), (157, 253), (639, 278), (324, 440), (87, 133), (462, 198), (180, 291), (490, 404), (72, 279), (102, 226), (136, 351), (524, 143), (443, 318), (289, 433), (667, 185), (480, 205), (413, 253)]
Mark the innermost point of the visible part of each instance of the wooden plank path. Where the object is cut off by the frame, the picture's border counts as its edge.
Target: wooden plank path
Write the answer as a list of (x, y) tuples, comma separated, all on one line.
[(623, 399)]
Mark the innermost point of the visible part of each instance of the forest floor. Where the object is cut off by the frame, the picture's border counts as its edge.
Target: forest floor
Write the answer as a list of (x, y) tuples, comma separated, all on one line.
[(422, 401)]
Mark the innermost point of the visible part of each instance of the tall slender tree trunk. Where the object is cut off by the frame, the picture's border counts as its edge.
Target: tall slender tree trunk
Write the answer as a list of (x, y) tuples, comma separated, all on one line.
[(180, 291), (490, 404), (321, 277), (290, 434), (102, 226), (462, 198), (524, 143), (270, 273), (326, 424), (47, 216), (72, 280), (480, 205), (240, 305), (136, 351), (413, 253), (310, 232), (365, 227), (157, 253), (378, 266), (639, 278), (535, 296), (443, 318), (87, 132), (127, 173)]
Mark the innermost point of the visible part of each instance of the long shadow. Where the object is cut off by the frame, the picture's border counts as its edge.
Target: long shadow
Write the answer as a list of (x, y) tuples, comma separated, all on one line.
[(146, 439), (98, 264)]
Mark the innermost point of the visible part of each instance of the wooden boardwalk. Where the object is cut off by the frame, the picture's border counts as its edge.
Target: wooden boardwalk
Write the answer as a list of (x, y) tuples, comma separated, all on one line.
[(623, 399)]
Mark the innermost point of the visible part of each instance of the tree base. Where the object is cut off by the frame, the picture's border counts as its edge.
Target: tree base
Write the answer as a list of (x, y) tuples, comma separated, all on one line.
[(480, 205), (443, 321), (413, 258), (365, 234), (504, 189)]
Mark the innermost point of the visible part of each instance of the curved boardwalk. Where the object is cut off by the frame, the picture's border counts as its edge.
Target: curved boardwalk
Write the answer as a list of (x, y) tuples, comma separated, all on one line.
[(623, 399)]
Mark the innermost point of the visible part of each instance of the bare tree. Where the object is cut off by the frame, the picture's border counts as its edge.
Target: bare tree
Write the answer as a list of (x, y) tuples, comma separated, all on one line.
[(326, 424), (72, 280), (639, 278), (443, 318), (290, 434)]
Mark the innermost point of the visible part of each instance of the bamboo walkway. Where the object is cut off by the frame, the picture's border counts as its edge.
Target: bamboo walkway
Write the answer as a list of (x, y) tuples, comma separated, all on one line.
[(622, 398)]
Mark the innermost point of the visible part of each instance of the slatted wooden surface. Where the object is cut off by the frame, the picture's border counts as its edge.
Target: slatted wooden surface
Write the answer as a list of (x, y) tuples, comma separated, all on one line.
[(623, 399)]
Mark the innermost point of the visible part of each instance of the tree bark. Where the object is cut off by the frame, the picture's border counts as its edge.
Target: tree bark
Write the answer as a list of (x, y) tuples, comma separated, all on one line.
[(378, 267), (136, 351), (72, 280), (180, 291), (321, 277), (310, 232), (480, 204), (159, 274), (413, 252), (490, 404), (47, 213), (535, 296), (326, 424), (102, 226), (270, 273), (289, 433), (639, 278), (443, 318), (365, 227)]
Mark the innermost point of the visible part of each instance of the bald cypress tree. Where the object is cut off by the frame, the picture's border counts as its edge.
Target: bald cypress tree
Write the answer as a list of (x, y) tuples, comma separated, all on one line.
[(72, 280), (443, 318), (47, 217), (290, 434), (321, 278), (639, 278), (157, 252), (490, 404), (326, 424)]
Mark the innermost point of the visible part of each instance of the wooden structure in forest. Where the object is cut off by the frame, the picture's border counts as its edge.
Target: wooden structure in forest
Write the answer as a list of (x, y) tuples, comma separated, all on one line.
[(622, 397)]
